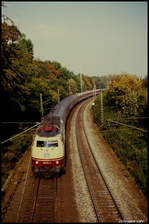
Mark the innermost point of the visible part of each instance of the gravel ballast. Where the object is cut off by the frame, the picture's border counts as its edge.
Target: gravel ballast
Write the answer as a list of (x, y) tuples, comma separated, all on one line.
[(130, 199)]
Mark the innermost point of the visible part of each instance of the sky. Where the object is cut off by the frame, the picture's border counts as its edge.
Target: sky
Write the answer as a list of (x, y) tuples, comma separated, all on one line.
[(93, 38)]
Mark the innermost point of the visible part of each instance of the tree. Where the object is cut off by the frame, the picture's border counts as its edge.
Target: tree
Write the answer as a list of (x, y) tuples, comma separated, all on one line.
[(124, 81), (87, 82), (145, 82), (143, 109), (122, 93), (17, 69), (72, 86), (129, 103), (53, 72), (57, 65), (42, 69), (10, 34)]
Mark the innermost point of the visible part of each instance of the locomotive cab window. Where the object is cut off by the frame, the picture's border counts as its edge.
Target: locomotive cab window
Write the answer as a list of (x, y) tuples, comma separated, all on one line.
[(47, 143), (52, 144), (40, 144)]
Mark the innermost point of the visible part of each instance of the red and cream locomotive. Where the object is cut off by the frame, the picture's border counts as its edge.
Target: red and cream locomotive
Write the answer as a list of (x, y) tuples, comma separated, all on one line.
[(48, 147)]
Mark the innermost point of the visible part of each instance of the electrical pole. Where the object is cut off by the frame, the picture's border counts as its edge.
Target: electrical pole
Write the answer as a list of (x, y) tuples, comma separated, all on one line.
[(81, 82), (140, 78), (94, 89), (94, 92), (58, 96), (102, 118), (69, 86), (41, 106)]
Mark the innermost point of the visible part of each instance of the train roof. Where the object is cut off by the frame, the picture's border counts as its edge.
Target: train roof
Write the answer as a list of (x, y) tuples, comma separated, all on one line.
[(49, 127), (59, 109), (55, 117), (51, 119)]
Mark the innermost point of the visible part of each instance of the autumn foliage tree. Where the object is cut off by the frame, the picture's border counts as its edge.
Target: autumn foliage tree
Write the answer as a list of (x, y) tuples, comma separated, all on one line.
[(87, 82), (23, 78), (122, 93), (72, 86)]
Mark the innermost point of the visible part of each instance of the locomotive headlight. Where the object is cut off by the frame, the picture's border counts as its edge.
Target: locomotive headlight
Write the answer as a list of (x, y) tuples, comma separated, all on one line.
[(57, 162), (36, 162)]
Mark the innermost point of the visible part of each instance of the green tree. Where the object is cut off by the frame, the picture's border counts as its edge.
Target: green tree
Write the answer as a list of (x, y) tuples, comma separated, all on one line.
[(17, 71), (10, 34), (57, 65), (72, 86)]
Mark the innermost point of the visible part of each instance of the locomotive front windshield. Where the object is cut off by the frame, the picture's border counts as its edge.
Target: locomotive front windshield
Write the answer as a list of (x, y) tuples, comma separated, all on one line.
[(47, 143)]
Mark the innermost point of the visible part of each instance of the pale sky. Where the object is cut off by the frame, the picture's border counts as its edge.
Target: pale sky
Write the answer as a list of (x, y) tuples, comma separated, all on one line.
[(93, 38)]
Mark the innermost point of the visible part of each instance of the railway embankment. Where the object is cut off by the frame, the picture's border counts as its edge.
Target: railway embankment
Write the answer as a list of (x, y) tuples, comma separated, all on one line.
[(123, 185), (131, 201), (127, 137)]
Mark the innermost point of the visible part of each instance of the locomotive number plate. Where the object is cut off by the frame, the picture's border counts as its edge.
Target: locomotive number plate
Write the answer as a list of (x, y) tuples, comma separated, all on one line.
[(46, 162)]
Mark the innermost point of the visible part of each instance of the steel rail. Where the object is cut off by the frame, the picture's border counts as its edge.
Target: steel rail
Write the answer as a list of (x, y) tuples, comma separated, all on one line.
[(19, 134), (85, 175), (100, 171), (23, 191), (34, 205), (56, 202), (52, 200)]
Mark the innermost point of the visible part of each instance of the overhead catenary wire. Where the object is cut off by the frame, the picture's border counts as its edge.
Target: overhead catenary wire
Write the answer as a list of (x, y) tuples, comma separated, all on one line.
[(135, 118), (46, 102), (18, 122), (115, 129), (19, 134), (129, 126)]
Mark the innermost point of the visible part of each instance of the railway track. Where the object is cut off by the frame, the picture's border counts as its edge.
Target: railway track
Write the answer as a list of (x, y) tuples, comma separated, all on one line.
[(38, 201), (104, 204), (44, 205)]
